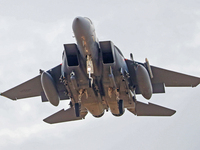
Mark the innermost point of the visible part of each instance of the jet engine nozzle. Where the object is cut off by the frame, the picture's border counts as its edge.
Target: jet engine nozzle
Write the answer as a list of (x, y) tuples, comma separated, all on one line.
[(48, 86), (144, 82)]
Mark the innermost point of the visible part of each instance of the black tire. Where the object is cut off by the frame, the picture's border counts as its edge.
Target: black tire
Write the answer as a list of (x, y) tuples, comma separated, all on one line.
[(77, 110), (121, 107)]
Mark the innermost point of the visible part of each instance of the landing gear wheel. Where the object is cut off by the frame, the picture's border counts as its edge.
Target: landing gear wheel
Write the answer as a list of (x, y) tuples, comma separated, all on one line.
[(121, 107), (77, 110), (90, 82)]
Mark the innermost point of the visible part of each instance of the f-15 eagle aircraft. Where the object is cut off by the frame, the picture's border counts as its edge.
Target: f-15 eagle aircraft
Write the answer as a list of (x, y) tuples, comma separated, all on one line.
[(94, 76)]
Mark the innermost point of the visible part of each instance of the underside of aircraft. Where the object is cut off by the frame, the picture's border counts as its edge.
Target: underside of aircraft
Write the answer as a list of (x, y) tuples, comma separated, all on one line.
[(95, 77)]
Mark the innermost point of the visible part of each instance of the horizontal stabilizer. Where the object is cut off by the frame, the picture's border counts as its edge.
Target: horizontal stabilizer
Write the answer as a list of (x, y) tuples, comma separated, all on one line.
[(150, 109), (63, 116)]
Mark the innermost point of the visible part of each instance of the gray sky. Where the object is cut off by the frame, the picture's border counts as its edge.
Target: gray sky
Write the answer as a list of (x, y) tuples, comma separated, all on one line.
[(32, 34)]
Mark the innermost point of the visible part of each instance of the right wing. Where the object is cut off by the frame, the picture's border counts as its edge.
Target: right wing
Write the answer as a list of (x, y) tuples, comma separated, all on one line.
[(163, 77), (33, 87), (173, 79)]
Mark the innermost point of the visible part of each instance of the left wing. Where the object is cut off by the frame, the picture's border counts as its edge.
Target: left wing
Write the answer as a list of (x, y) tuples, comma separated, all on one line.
[(33, 87), (27, 89)]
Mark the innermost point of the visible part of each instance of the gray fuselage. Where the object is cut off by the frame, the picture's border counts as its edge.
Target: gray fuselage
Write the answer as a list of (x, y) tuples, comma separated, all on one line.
[(108, 75)]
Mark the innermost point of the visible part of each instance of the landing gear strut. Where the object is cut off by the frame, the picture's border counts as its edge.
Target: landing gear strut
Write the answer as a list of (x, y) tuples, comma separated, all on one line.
[(90, 82), (77, 109), (121, 107)]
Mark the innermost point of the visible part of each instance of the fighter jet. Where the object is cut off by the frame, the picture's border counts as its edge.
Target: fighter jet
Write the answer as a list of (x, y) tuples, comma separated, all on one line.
[(95, 77)]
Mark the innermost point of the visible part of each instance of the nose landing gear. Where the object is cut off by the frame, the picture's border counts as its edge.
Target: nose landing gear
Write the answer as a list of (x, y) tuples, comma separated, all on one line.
[(90, 69), (90, 82)]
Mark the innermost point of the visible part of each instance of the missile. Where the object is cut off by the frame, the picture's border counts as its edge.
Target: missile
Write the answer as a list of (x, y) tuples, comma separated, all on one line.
[(144, 81), (48, 86)]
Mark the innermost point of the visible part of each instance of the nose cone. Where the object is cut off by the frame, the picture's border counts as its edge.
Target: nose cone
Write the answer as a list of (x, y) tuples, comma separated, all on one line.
[(80, 25), (77, 20)]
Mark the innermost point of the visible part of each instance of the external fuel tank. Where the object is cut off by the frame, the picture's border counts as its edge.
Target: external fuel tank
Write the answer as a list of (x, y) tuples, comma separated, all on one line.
[(49, 88), (144, 82)]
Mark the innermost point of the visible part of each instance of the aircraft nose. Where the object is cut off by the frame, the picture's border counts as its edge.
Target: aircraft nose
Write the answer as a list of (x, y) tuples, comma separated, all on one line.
[(77, 23), (76, 20), (80, 25)]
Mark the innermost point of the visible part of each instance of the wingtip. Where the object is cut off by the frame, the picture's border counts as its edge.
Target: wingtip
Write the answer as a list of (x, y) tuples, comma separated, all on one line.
[(173, 112), (4, 95), (46, 121), (1, 94)]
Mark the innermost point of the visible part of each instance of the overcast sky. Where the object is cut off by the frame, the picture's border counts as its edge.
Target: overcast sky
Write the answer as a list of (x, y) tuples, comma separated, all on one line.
[(32, 34)]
